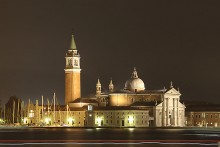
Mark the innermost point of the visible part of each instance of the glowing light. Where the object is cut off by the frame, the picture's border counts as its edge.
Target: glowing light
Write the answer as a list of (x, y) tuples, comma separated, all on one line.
[(99, 120), (131, 129), (90, 107), (47, 120), (90, 115), (25, 120), (130, 119), (70, 120), (31, 114)]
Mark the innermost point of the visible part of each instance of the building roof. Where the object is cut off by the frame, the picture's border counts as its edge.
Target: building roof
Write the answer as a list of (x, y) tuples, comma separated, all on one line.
[(160, 91), (117, 108), (152, 103), (202, 107), (84, 100)]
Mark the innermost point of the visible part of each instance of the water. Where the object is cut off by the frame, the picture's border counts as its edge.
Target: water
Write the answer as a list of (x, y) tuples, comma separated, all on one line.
[(132, 137)]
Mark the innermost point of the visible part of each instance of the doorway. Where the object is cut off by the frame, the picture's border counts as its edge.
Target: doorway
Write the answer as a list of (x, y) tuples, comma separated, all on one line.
[(122, 123)]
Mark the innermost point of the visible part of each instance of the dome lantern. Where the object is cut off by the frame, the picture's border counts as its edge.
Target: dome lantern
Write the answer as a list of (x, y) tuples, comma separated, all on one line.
[(134, 74)]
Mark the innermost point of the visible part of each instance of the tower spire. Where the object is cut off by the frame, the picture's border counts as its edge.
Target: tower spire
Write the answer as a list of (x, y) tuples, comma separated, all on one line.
[(98, 82), (98, 87), (111, 86), (72, 44)]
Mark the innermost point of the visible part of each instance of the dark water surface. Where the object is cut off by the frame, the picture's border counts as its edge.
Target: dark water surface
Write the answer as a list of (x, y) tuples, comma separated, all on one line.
[(153, 137)]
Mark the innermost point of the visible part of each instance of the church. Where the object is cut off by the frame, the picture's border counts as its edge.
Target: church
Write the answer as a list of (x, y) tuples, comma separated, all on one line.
[(130, 106)]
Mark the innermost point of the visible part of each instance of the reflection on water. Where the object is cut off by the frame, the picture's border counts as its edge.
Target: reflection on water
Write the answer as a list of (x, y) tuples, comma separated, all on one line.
[(153, 137), (153, 144)]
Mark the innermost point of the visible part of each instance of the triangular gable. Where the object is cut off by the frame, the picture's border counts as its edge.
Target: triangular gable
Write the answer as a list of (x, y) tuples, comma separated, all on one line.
[(181, 105), (172, 91), (159, 104)]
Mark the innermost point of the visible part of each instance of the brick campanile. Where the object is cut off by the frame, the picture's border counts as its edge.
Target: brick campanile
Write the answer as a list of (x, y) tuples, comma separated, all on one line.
[(72, 74)]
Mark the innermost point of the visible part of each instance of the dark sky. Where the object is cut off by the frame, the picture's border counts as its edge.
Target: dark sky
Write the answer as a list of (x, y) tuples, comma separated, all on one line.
[(166, 41)]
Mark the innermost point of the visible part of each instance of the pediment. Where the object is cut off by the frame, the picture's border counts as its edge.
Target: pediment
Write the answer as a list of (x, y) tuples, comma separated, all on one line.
[(172, 91), (160, 104)]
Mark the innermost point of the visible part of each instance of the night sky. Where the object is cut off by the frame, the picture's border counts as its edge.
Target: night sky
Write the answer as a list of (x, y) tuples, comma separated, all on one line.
[(166, 41)]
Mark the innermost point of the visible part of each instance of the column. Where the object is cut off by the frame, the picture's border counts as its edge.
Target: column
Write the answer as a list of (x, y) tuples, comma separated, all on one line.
[(174, 111), (177, 112), (167, 114), (163, 112)]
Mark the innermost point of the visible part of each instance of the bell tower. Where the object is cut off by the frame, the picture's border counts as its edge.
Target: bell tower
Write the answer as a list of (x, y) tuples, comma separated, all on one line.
[(111, 86), (98, 88), (72, 73)]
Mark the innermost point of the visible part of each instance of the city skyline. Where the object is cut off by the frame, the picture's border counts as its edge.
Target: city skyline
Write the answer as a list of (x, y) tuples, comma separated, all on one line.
[(165, 41)]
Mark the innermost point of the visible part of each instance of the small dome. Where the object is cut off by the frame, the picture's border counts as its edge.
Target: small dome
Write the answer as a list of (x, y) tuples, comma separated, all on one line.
[(134, 84)]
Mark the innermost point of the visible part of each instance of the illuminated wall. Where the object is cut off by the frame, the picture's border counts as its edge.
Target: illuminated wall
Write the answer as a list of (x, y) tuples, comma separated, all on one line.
[(124, 99), (118, 118), (203, 119)]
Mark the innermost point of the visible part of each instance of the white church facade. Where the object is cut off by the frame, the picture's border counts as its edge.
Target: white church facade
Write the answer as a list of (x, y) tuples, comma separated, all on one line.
[(163, 106)]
